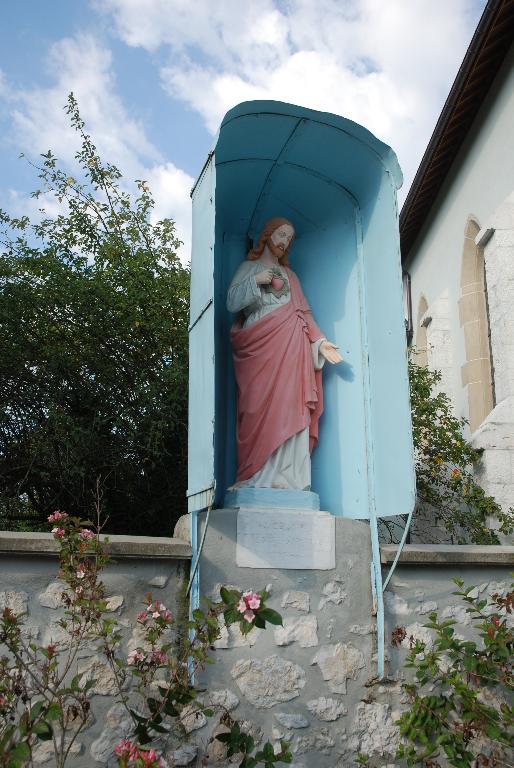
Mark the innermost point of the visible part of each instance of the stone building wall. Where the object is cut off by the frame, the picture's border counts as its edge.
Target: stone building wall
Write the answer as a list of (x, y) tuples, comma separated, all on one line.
[(496, 434)]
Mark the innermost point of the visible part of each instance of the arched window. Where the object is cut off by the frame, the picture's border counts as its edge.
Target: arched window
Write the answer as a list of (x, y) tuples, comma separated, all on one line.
[(477, 370)]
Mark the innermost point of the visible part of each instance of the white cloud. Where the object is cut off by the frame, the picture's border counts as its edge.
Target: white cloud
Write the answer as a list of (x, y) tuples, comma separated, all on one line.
[(388, 65), (170, 188), (80, 64)]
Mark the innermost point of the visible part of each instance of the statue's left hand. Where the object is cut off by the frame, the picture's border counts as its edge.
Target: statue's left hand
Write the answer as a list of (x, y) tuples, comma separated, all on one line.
[(330, 352)]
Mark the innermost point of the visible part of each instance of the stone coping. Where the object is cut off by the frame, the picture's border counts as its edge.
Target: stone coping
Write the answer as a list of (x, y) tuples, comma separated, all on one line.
[(151, 547), (450, 554)]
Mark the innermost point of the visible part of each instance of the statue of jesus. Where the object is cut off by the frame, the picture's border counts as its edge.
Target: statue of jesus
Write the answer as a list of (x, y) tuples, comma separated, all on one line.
[(278, 352)]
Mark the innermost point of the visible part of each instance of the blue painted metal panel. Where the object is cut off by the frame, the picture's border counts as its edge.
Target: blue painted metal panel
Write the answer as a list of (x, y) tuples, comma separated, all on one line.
[(201, 344), (337, 183)]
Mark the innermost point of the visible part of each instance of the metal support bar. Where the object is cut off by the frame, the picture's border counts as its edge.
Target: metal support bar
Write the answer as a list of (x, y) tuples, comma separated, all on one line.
[(375, 552), (193, 588), (200, 314), (399, 550), (378, 588)]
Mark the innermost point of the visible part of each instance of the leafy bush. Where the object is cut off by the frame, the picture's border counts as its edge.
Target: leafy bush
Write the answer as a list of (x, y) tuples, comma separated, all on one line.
[(461, 697), (444, 461), (42, 699)]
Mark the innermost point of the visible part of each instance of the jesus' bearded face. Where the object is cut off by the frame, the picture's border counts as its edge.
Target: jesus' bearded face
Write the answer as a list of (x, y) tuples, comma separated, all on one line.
[(280, 240)]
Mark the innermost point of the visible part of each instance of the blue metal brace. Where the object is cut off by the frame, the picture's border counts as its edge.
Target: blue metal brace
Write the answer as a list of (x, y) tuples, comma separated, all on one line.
[(379, 587)]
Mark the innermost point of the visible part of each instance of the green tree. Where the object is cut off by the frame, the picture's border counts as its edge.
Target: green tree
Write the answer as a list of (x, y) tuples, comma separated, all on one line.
[(94, 311)]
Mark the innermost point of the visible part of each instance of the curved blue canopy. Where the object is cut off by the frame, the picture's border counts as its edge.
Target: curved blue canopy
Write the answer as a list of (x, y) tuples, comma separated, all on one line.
[(268, 137)]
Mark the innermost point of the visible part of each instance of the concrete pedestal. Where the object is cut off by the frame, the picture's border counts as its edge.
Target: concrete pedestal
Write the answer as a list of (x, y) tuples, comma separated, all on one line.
[(302, 681)]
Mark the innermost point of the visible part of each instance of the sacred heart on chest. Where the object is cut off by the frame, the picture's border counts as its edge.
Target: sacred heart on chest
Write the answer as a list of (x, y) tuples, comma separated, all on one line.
[(277, 282), (279, 285)]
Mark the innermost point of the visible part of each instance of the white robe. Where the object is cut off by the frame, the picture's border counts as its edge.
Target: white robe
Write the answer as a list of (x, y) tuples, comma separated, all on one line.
[(290, 465)]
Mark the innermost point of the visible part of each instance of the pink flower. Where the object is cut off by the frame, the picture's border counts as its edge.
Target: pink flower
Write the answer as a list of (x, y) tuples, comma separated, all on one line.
[(241, 606), (254, 602), (135, 656), (149, 758), (80, 573), (79, 591), (155, 615), (159, 657), (123, 748), (86, 534), (58, 532), (53, 518), (166, 615), (249, 615), (141, 616), (249, 601)]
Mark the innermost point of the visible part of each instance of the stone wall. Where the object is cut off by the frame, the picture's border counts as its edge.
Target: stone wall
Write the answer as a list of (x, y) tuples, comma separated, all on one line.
[(312, 682), (29, 585)]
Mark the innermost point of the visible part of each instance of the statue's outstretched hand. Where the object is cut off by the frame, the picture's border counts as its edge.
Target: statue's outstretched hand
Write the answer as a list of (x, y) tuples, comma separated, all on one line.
[(330, 352)]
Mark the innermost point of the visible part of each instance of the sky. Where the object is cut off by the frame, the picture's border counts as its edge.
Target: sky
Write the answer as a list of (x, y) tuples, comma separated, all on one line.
[(153, 79)]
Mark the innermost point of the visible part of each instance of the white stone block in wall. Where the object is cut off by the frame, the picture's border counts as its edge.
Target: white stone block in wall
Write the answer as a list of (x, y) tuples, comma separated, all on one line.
[(375, 732), (326, 709), (333, 593), (118, 725), (269, 681), (192, 718), (338, 663), (223, 699), (302, 630), (16, 601), (292, 720), (43, 751), (52, 596), (317, 741), (298, 600)]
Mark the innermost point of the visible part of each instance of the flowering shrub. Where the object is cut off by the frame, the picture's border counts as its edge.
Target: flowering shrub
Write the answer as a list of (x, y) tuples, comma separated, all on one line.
[(130, 754), (461, 696), (41, 699), (444, 462)]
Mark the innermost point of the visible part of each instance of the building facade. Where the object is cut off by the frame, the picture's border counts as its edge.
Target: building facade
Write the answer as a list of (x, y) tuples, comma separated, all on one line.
[(457, 228)]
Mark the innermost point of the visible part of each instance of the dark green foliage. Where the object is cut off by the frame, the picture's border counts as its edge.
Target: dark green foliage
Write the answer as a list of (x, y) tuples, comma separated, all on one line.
[(93, 365), (444, 461), (240, 743), (461, 695)]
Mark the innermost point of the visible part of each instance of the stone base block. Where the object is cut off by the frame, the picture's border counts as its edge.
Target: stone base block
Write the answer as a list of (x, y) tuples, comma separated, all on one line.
[(281, 498)]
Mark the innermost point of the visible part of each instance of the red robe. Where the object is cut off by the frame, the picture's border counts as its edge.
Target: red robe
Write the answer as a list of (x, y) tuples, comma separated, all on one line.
[(279, 392)]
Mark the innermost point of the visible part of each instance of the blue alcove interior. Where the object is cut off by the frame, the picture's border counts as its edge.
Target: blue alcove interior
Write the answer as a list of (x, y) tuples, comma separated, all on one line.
[(337, 184)]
